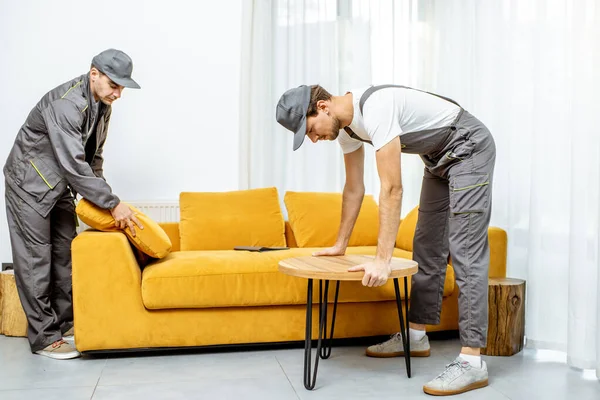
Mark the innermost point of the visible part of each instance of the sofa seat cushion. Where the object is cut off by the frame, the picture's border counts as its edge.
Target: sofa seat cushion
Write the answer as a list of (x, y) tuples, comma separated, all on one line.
[(229, 278)]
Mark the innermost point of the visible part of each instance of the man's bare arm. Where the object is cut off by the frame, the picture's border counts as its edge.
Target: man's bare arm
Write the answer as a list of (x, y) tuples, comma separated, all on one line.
[(354, 192), (390, 197)]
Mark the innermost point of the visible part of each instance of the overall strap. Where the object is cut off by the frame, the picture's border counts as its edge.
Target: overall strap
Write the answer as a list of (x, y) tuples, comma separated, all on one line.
[(353, 135), (373, 89)]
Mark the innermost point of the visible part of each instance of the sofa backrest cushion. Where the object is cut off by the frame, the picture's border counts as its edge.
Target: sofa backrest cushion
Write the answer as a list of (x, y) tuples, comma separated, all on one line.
[(172, 230), (315, 219), (406, 232), (289, 235), (152, 240), (224, 220)]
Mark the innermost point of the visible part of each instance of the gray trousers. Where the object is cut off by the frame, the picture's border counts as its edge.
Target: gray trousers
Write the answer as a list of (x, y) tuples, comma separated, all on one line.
[(41, 249), (454, 215)]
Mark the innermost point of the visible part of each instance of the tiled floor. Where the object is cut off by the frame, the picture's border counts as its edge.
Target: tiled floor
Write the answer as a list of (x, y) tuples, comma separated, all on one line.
[(276, 374)]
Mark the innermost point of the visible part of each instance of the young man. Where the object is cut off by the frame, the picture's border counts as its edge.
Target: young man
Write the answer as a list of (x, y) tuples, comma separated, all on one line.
[(454, 212), (58, 153)]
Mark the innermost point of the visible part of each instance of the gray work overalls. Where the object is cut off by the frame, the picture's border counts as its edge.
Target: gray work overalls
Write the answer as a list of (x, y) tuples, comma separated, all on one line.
[(454, 215), (58, 151)]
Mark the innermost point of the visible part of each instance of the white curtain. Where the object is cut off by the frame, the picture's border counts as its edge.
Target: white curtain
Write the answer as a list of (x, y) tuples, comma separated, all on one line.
[(530, 70), (288, 43)]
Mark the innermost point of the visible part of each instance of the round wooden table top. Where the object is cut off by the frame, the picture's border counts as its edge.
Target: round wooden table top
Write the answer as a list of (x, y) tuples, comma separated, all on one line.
[(336, 267), (505, 281)]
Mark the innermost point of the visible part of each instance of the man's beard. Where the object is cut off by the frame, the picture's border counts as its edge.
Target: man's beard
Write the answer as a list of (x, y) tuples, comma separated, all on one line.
[(335, 128)]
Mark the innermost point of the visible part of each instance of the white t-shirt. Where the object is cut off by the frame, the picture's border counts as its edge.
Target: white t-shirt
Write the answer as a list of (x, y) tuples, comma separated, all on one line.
[(392, 112)]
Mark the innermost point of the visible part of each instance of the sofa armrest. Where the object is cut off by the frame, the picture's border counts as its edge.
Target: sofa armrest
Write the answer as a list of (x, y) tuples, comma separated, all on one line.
[(106, 284), (498, 244), (108, 255)]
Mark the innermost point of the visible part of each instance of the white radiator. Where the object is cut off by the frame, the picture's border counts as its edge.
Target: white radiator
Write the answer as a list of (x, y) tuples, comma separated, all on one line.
[(159, 211)]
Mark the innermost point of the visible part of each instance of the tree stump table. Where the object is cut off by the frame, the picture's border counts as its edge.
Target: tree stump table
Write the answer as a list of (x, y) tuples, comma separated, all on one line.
[(506, 317), (12, 318)]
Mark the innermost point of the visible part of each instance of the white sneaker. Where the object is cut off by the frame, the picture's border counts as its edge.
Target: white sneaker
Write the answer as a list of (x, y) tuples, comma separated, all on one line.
[(69, 337), (394, 347), (59, 350), (458, 377)]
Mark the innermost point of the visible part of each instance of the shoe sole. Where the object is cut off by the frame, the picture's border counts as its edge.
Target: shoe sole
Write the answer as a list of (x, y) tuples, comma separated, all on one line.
[(472, 386), (59, 356), (421, 353)]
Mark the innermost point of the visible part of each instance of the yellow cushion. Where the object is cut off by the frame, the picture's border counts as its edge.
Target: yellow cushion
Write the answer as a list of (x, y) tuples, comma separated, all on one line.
[(498, 242), (222, 221), (152, 240), (289, 235), (315, 219), (406, 232), (172, 230), (229, 278)]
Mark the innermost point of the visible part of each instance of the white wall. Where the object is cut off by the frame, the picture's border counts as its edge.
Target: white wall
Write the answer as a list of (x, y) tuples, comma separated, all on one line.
[(179, 132)]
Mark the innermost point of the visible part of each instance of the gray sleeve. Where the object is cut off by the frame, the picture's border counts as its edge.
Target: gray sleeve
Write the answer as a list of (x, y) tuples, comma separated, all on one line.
[(98, 161), (63, 120)]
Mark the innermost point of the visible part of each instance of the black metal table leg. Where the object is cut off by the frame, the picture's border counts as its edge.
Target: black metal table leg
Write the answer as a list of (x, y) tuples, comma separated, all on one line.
[(408, 364), (310, 377), (326, 350), (403, 331)]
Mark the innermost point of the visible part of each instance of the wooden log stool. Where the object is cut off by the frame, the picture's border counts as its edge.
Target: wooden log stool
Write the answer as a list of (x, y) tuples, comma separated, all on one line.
[(12, 318), (506, 317)]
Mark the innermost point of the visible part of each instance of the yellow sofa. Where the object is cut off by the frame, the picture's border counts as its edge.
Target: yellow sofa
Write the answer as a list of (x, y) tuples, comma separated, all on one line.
[(224, 297)]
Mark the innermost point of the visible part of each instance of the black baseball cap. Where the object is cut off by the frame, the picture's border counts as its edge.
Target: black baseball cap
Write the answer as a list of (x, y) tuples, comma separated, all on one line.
[(291, 112), (117, 66)]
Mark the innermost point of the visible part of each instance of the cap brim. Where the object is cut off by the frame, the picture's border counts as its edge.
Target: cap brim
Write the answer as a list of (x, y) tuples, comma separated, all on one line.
[(299, 135), (125, 82)]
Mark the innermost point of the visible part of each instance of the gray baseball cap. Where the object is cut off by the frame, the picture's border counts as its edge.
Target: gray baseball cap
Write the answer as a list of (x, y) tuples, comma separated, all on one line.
[(291, 112), (117, 66)]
